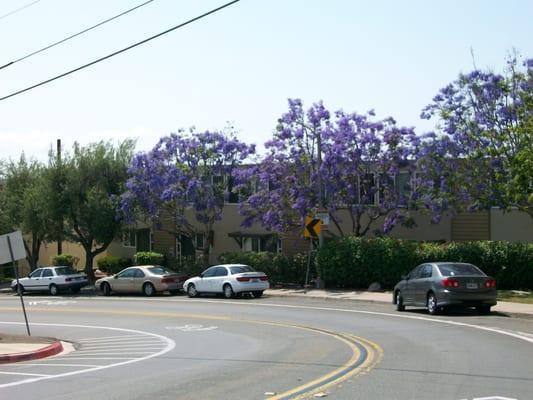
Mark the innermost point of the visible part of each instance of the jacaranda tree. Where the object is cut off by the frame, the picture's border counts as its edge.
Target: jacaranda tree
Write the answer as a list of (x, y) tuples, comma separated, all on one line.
[(482, 152), (347, 164), (186, 176)]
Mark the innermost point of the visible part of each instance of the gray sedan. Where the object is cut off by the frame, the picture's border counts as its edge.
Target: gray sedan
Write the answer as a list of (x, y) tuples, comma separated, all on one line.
[(442, 284)]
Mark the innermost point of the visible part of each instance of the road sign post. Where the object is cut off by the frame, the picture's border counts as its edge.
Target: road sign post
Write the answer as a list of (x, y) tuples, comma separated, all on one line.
[(16, 252), (312, 229)]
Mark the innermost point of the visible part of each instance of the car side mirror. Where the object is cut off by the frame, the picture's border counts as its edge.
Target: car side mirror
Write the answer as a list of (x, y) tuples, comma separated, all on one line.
[(405, 277), (201, 275), (115, 277)]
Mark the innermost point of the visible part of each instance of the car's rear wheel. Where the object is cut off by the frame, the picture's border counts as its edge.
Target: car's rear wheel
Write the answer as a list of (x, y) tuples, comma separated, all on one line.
[(228, 291), (53, 290), (106, 289), (258, 293), (191, 290), (399, 301), (483, 310), (148, 289), (432, 306)]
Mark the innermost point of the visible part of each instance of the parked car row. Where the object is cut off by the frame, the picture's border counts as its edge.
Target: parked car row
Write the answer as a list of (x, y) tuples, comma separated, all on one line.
[(231, 280), (435, 286)]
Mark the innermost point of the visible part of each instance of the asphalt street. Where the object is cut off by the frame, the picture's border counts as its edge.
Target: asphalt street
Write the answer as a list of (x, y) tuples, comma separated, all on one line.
[(173, 347)]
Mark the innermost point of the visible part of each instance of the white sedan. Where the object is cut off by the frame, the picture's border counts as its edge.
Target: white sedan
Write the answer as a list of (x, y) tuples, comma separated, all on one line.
[(229, 280), (52, 280)]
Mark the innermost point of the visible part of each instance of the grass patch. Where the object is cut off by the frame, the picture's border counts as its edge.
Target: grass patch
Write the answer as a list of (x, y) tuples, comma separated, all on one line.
[(516, 296)]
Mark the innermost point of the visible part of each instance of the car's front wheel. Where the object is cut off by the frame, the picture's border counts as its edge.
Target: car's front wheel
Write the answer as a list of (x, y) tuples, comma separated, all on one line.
[(399, 301), (228, 291), (106, 289), (53, 290), (191, 290), (148, 289)]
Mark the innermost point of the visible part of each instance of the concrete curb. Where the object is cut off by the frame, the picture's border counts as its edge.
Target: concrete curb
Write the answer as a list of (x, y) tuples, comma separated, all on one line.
[(50, 350)]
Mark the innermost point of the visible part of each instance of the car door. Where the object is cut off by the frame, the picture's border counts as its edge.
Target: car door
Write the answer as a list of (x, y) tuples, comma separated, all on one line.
[(422, 284), (221, 273), (33, 281), (138, 280), (204, 283), (123, 282), (410, 282), (47, 277)]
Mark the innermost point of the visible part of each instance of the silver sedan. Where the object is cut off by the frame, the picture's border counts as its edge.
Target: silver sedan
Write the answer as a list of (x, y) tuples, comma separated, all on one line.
[(228, 279), (145, 279), (442, 284)]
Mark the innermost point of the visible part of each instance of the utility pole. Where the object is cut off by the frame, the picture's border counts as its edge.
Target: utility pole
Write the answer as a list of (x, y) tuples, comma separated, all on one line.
[(321, 200), (59, 241)]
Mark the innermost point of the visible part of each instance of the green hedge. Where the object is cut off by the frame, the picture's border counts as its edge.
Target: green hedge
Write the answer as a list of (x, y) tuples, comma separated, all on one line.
[(279, 268), (112, 264), (148, 258), (357, 262), (65, 260)]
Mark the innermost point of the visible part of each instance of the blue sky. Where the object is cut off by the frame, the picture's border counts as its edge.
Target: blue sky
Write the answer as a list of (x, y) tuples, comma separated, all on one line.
[(240, 65)]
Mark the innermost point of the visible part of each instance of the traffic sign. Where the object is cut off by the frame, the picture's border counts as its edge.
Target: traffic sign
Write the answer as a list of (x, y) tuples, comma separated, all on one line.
[(312, 227)]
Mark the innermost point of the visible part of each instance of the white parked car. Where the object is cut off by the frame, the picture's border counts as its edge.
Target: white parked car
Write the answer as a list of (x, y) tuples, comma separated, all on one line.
[(52, 280), (228, 279)]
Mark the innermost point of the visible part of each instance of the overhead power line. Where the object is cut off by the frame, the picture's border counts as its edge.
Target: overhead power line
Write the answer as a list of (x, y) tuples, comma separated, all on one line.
[(19, 9), (76, 34), (121, 51)]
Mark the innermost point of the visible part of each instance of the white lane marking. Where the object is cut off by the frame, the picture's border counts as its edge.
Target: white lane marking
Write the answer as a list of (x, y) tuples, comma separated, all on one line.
[(118, 346), (493, 398), (110, 338), (107, 353), (51, 302), (170, 345), (51, 365), (192, 328), (96, 358), (20, 373)]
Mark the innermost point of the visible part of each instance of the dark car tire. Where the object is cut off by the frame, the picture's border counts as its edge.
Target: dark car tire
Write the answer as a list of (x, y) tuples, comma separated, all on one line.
[(53, 290), (15, 288), (148, 289), (483, 310), (432, 306), (257, 293), (106, 289), (191, 290), (399, 301), (228, 291)]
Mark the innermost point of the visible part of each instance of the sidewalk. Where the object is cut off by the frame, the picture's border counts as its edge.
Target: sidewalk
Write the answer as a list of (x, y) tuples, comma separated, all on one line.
[(384, 297), (25, 348)]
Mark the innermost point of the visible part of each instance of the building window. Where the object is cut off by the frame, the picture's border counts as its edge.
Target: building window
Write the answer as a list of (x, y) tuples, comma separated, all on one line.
[(129, 239), (403, 187), (199, 241), (367, 189)]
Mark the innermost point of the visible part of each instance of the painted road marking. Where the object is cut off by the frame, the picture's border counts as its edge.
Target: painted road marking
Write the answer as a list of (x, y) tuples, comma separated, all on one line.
[(166, 345), (192, 328), (51, 302)]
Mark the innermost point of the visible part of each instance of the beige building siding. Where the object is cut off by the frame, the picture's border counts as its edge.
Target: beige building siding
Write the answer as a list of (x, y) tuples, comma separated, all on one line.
[(164, 241), (471, 226), (513, 225)]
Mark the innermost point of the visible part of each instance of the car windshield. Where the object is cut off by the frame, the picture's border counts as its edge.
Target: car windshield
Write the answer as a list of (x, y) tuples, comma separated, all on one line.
[(66, 271), (240, 269), (158, 270), (459, 269)]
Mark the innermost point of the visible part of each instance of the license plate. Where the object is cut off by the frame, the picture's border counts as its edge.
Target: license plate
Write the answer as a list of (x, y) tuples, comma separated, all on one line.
[(471, 285), (254, 280)]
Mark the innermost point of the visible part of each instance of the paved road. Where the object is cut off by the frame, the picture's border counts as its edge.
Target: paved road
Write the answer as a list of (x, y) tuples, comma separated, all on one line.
[(180, 348)]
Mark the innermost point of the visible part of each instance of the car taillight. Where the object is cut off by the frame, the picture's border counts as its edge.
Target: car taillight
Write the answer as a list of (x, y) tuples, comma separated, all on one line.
[(243, 279), (68, 279), (490, 284), (264, 278), (450, 282), (168, 280)]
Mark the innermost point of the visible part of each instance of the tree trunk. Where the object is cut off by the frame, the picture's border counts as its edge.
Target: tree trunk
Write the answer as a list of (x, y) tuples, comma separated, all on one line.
[(89, 257)]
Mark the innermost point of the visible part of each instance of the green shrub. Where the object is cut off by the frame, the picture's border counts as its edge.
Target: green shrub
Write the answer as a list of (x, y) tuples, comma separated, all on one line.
[(148, 258), (112, 264), (357, 262), (279, 268), (65, 260)]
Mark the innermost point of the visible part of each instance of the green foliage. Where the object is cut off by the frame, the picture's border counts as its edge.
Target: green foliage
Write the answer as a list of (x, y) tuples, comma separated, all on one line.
[(357, 262), (148, 258), (65, 259), (112, 264), (191, 265), (279, 268)]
